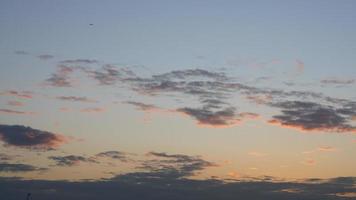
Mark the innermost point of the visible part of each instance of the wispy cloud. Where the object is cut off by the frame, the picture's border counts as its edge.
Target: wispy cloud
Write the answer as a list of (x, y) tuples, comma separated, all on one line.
[(116, 155), (15, 103), (21, 52), (309, 161), (80, 61), (71, 160), (338, 81), (76, 99), (16, 112), (18, 94), (142, 106), (92, 110), (173, 166), (326, 148), (19, 168), (61, 78), (45, 56)]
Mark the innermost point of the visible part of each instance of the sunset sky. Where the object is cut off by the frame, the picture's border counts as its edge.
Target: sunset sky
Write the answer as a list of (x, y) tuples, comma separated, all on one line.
[(194, 90)]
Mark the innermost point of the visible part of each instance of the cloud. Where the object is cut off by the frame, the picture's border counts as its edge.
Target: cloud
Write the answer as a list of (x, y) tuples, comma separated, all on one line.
[(45, 57), (190, 73), (21, 52), (16, 168), (16, 112), (80, 61), (18, 94), (142, 106), (5, 157), (61, 78), (107, 75), (220, 118), (346, 194), (27, 137), (15, 103), (309, 162), (309, 116), (116, 155), (326, 148), (173, 166), (338, 81), (76, 99), (71, 160), (92, 110), (110, 74), (136, 187)]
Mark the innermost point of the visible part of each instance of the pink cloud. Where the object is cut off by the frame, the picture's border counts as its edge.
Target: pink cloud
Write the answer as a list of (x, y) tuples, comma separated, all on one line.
[(92, 110), (19, 94), (15, 103)]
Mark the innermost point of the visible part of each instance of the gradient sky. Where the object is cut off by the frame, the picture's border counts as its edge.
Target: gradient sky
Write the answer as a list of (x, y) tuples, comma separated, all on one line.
[(244, 89)]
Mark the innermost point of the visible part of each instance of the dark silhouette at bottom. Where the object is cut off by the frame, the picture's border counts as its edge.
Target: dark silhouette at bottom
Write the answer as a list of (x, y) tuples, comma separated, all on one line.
[(28, 196)]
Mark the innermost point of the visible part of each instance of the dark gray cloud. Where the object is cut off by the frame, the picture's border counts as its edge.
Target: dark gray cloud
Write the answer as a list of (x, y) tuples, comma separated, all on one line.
[(205, 116), (190, 73), (9, 167), (76, 99), (45, 57), (71, 160), (134, 186), (314, 116), (27, 137), (142, 106), (173, 166), (116, 155)]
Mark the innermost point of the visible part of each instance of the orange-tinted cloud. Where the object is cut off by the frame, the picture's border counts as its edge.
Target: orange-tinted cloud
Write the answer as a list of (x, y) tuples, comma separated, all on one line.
[(326, 148), (27, 137), (309, 162), (234, 174)]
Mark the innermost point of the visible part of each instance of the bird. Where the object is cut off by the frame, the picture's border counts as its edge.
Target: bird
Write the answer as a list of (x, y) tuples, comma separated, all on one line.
[(91, 24)]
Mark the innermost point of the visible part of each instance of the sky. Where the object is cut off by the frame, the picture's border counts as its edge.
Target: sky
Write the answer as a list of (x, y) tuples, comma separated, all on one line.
[(146, 95)]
